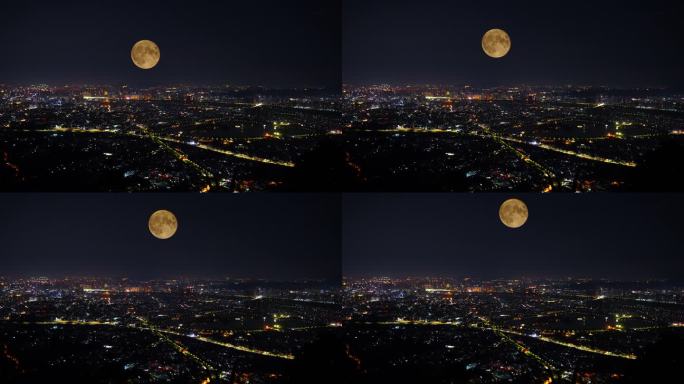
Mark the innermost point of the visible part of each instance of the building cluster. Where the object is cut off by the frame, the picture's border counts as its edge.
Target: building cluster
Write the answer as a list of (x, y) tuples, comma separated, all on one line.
[(370, 138), (372, 329)]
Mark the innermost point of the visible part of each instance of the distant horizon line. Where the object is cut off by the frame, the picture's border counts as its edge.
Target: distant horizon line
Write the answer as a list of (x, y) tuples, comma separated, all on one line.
[(342, 278), (339, 87), (162, 85), (518, 85), (519, 278)]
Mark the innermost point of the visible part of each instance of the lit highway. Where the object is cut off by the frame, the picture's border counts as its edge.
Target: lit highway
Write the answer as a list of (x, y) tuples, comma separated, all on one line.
[(498, 330), (232, 346), (159, 331), (205, 147), (523, 156), (572, 345), (176, 153), (584, 156), (233, 154)]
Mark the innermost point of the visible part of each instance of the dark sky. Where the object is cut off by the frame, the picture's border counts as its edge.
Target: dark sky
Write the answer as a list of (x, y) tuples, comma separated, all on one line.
[(457, 235), (256, 235), (294, 236), (604, 42), (292, 43)]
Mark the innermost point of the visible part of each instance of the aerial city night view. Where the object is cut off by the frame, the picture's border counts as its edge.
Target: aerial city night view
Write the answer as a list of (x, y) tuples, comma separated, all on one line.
[(216, 97), (428, 290), (342, 192), (564, 96), (385, 96), (240, 292)]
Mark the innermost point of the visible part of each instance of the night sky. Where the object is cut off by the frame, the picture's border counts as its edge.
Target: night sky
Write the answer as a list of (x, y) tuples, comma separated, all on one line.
[(313, 236), (271, 236), (458, 235), (603, 42), (293, 43), (300, 43)]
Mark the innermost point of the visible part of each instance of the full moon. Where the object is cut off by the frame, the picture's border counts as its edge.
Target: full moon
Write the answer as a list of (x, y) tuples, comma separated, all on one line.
[(163, 224), (496, 43), (145, 54), (513, 213)]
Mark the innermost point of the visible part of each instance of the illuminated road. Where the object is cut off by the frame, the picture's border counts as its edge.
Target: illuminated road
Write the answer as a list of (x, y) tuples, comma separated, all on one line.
[(176, 153), (9, 165), (526, 351), (548, 173), (11, 358), (233, 154), (511, 139), (220, 343), (522, 348), (396, 322), (184, 351), (523, 156), (232, 346), (497, 329), (149, 327), (205, 147), (573, 153), (73, 322), (572, 345)]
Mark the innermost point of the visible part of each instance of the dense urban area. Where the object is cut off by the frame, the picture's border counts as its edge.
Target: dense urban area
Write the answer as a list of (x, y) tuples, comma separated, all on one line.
[(435, 330), (373, 138)]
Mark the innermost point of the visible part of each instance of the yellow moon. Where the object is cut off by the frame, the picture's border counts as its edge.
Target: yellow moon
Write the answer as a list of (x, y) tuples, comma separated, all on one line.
[(496, 43), (513, 213), (163, 224), (145, 54)]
